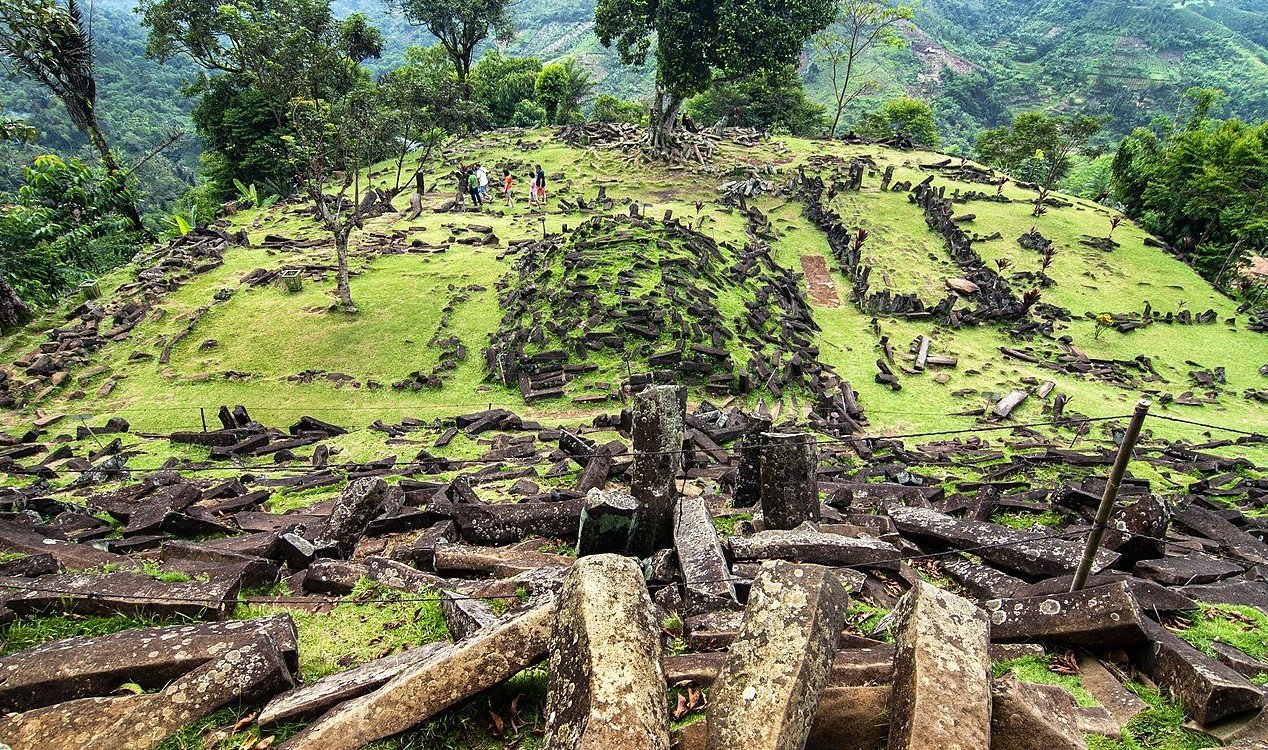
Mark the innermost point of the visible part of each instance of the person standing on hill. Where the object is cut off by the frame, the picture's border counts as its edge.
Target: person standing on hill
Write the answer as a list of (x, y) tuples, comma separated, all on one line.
[(532, 188), (482, 179), (473, 187), (541, 185), (508, 187)]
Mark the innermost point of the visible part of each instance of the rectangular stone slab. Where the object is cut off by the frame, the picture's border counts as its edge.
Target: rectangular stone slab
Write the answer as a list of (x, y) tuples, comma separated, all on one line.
[(113, 593), (807, 544), (14, 538), (315, 698), (1208, 690), (429, 687), (240, 676), (151, 657), (1101, 617), (605, 687), (941, 696), (1023, 553), (779, 664), (705, 574)]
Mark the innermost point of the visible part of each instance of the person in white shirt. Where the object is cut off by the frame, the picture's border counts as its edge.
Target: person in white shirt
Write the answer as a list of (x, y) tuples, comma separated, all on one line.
[(482, 179)]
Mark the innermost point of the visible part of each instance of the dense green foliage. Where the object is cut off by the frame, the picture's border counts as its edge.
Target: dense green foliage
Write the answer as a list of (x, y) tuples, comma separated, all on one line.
[(1027, 149), (774, 99), (906, 117), (608, 108), (1202, 186), (61, 226), (560, 89)]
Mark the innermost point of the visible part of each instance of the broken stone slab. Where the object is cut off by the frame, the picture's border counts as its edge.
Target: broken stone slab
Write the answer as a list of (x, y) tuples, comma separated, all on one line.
[(1208, 690), (1027, 554), (1150, 596), (466, 615), (1232, 540), (807, 544), (1187, 570), (116, 593), (982, 581), (606, 688), (14, 538), (848, 718), (425, 689), (1122, 704), (1241, 662), (503, 562), (942, 673), (151, 657), (607, 522), (705, 574), (358, 504), (1104, 616), (501, 523), (778, 666), (315, 698), (241, 675), (1026, 715)]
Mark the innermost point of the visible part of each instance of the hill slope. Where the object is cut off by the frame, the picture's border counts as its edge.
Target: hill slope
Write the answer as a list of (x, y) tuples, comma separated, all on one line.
[(230, 334)]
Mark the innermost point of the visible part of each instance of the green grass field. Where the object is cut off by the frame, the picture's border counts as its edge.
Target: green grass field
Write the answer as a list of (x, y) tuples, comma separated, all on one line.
[(263, 336)]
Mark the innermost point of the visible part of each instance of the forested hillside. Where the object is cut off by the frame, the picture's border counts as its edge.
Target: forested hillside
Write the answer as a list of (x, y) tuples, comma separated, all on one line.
[(977, 62)]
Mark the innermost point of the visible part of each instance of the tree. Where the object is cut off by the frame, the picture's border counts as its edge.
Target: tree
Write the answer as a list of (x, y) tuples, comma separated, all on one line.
[(50, 45), (608, 108), (460, 25), (431, 72), (561, 88), (62, 224), (263, 54), (698, 40), (906, 118), (332, 144), (859, 26), (1072, 136), (407, 102), (500, 82), (1202, 188), (770, 99), (1028, 149), (15, 130)]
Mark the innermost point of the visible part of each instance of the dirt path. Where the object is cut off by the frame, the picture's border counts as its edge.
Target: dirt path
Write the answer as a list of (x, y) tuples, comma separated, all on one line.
[(822, 291)]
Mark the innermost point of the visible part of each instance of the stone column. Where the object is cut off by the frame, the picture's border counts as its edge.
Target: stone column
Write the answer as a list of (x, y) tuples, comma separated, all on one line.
[(790, 488), (657, 432)]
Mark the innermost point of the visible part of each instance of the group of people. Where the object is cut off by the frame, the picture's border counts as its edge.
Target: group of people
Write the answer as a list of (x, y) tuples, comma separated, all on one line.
[(473, 182)]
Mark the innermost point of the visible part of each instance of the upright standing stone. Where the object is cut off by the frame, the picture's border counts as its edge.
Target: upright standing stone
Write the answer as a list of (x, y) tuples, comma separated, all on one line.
[(705, 574), (357, 505), (790, 488), (748, 478), (778, 666), (606, 688), (607, 522), (657, 432), (942, 673)]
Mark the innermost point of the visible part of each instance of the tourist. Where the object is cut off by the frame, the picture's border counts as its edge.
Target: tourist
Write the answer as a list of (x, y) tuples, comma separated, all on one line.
[(482, 179), (541, 185), (508, 185), (532, 188), (473, 187)]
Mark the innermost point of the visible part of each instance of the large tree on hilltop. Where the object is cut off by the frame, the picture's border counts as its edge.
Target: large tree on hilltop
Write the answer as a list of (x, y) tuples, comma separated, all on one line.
[(284, 49), (698, 40), (52, 45), (460, 25)]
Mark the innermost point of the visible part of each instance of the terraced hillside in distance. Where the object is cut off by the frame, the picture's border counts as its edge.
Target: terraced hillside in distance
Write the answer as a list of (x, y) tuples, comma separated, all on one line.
[(792, 356)]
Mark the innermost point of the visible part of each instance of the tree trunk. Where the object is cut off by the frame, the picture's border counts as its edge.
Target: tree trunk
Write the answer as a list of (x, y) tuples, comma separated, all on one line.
[(342, 287), (128, 209), (664, 120), (13, 311)]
